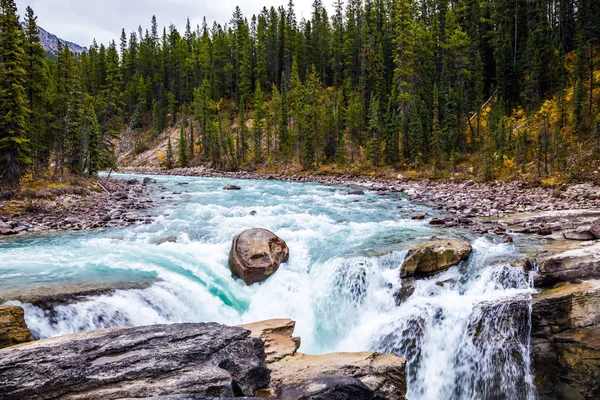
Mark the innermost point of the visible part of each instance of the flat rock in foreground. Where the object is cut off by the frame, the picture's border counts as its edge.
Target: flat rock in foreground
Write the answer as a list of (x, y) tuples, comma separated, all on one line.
[(206, 359), (342, 376)]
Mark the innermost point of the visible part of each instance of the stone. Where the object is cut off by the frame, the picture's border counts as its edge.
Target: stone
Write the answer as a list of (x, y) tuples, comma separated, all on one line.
[(231, 187), (437, 221), (595, 228), (256, 254), (335, 376), (13, 329), (583, 263), (205, 359), (544, 230), (566, 341), (356, 192), (579, 235), (429, 258), (166, 239), (277, 335), (147, 181), (420, 216), (72, 220)]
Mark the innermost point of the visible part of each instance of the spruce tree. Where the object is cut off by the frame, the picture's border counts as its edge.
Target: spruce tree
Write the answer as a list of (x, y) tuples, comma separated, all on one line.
[(36, 87), (93, 140), (74, 129), (169, 155), (14, 145), (183, 147)]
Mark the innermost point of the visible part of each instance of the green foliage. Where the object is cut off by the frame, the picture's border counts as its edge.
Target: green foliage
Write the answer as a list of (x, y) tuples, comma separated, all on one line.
[(14, 144), (182, 147), (404, 84)]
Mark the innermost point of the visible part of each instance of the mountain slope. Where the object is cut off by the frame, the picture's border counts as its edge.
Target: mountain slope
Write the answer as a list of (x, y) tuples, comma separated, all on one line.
[(49, 42)]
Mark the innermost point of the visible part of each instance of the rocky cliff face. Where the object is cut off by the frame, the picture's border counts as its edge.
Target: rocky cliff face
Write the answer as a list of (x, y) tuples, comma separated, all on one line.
[(49, 42), (566, 326)]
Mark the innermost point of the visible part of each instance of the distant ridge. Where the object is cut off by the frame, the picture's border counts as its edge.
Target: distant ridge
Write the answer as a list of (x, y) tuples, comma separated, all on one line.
[(49, 42)]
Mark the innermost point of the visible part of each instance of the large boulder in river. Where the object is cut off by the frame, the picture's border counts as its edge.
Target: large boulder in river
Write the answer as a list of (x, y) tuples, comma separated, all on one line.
[(333, 376), (13, 329), (429, 258), (205, 359), (256, 255)]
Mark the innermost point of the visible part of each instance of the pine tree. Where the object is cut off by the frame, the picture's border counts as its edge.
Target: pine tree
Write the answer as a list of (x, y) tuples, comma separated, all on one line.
[(192, 141), (183, 147), (14, 145), (169, 155), (257, 121), (93, 140), (36, 87), (374, 144), (74, 132)]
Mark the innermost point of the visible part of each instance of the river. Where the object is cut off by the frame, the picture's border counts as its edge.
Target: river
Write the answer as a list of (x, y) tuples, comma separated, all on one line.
[(465, 332)]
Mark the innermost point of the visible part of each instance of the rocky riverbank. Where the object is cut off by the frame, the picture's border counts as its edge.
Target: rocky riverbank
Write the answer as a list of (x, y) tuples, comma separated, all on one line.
[(104, 203), (204, 360), (566, 325)]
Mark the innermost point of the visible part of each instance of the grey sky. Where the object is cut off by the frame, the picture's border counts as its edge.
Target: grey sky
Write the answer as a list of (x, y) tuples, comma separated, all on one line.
[(81, 21)]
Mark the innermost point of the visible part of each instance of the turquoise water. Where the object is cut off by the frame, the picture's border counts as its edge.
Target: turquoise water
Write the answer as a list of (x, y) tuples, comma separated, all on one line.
[(339, 284)]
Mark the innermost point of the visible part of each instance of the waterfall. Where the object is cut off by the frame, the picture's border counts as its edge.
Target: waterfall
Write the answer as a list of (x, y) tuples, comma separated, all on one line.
[(464, 332)]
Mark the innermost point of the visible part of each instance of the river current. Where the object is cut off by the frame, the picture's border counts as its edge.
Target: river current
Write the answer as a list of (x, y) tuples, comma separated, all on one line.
[(465, 332)]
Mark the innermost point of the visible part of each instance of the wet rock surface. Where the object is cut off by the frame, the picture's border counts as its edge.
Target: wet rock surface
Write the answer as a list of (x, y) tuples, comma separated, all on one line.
[(578, 264), (429, 258), (13, 329), (52, 295), (341, 376), (107, 203), (203, 360), (566, 325), (256, 255), (566, 341)]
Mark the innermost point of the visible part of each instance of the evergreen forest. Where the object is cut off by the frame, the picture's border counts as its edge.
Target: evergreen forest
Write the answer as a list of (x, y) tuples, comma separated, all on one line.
[(496, 89)]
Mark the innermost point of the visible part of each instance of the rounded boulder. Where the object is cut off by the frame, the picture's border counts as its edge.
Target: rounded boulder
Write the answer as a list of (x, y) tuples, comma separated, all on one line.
[(256, 254)]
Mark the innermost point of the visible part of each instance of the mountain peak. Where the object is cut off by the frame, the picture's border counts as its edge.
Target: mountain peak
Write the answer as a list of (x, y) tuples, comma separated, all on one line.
[(49, 42)]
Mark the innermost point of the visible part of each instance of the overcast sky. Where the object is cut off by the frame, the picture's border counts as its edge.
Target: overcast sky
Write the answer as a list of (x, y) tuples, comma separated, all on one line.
[(81, 21)]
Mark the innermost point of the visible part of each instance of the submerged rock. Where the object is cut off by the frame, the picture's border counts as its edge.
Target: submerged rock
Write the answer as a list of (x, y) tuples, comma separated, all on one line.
[(256, 255), (429, 258), (335, 376), (231, 187), (206, 359), (13, 329), (356, 192)]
